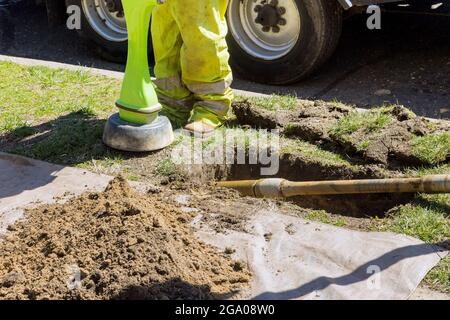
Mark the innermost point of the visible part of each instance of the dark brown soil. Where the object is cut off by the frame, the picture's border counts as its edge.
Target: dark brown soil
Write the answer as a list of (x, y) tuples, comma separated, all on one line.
[(313, 120), (113, 245), (224, 209)]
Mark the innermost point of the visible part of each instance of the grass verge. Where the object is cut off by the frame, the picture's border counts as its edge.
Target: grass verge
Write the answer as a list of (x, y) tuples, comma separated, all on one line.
[(369, 121), (426, 218), (433, 148), (315, 153), (54, 114), (323, 217), (272, 103)]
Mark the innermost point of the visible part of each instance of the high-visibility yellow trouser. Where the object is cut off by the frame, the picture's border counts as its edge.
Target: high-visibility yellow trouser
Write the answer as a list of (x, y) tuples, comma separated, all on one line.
[(191, 57)]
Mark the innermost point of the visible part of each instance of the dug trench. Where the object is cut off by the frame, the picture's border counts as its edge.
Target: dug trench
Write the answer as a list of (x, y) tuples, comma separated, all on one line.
[(298, 168), (296, 165), (388, 133)]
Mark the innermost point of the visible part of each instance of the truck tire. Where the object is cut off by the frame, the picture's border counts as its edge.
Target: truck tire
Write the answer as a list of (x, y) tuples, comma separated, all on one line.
[(104, 30), (282, 41)]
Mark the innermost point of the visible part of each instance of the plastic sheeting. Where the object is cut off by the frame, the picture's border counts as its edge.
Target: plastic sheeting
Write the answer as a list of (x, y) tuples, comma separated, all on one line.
[(291, 258)]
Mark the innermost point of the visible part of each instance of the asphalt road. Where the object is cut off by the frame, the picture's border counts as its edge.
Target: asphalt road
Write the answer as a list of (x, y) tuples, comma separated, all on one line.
[(406, 62)]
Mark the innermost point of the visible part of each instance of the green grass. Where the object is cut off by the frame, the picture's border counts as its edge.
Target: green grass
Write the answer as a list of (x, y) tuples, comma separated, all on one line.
[(339, 104), (11, 121), (439, 277), (323, 217), (24, 131), (433, 148), (70, 139), (166, 168), (315, 153), (53, 114), (369, 121), (426, 218), (133, 177), (423, 171), (362, 146), (30, 95), (429, 221), (272, 103), (424, 222)]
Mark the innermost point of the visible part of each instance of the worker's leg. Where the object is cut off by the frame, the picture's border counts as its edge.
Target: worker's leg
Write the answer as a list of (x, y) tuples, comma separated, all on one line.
[(204, 57), (176, 99)]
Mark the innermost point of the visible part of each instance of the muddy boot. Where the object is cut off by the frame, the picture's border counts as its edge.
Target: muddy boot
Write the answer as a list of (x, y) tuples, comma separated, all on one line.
[(203, 122), (199, 128)]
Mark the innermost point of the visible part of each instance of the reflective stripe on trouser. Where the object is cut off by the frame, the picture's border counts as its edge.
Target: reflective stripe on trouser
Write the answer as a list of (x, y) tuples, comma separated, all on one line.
[(177, 110), (189, 40)]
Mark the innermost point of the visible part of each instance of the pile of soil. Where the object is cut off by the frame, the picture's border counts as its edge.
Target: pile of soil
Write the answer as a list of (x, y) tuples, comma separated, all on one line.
[(313, 121), (117, 244)]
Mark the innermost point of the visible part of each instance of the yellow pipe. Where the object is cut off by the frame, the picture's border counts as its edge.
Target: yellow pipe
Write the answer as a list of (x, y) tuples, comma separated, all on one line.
[(281, 188)]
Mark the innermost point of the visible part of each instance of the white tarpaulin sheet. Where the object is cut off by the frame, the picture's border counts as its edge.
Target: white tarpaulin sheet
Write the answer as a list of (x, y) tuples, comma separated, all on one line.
[(300, 259), (318, 261)]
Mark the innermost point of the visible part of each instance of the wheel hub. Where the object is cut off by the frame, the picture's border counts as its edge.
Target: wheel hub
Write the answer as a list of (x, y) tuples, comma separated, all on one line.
[(265, 29), (270, 15), (106, 17)]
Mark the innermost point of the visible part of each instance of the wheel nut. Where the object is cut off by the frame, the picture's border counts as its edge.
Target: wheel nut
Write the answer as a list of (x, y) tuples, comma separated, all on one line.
[(257, 8), (110, 5), (281, 10), (276, 29), (282, 22), (266, 29)]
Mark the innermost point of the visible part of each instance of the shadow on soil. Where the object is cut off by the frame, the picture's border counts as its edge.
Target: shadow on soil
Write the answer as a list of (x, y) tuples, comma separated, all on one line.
[(173, 289)]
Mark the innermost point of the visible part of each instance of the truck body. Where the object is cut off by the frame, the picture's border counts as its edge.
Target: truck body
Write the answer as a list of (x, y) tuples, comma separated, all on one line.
[(271, 41)]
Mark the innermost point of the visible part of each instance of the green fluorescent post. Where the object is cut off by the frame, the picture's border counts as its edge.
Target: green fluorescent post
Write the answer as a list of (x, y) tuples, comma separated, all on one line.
[(138, 101)]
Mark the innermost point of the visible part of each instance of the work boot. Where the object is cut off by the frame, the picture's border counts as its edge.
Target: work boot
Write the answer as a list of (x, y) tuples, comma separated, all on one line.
[(203, 122), (200, 128)]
